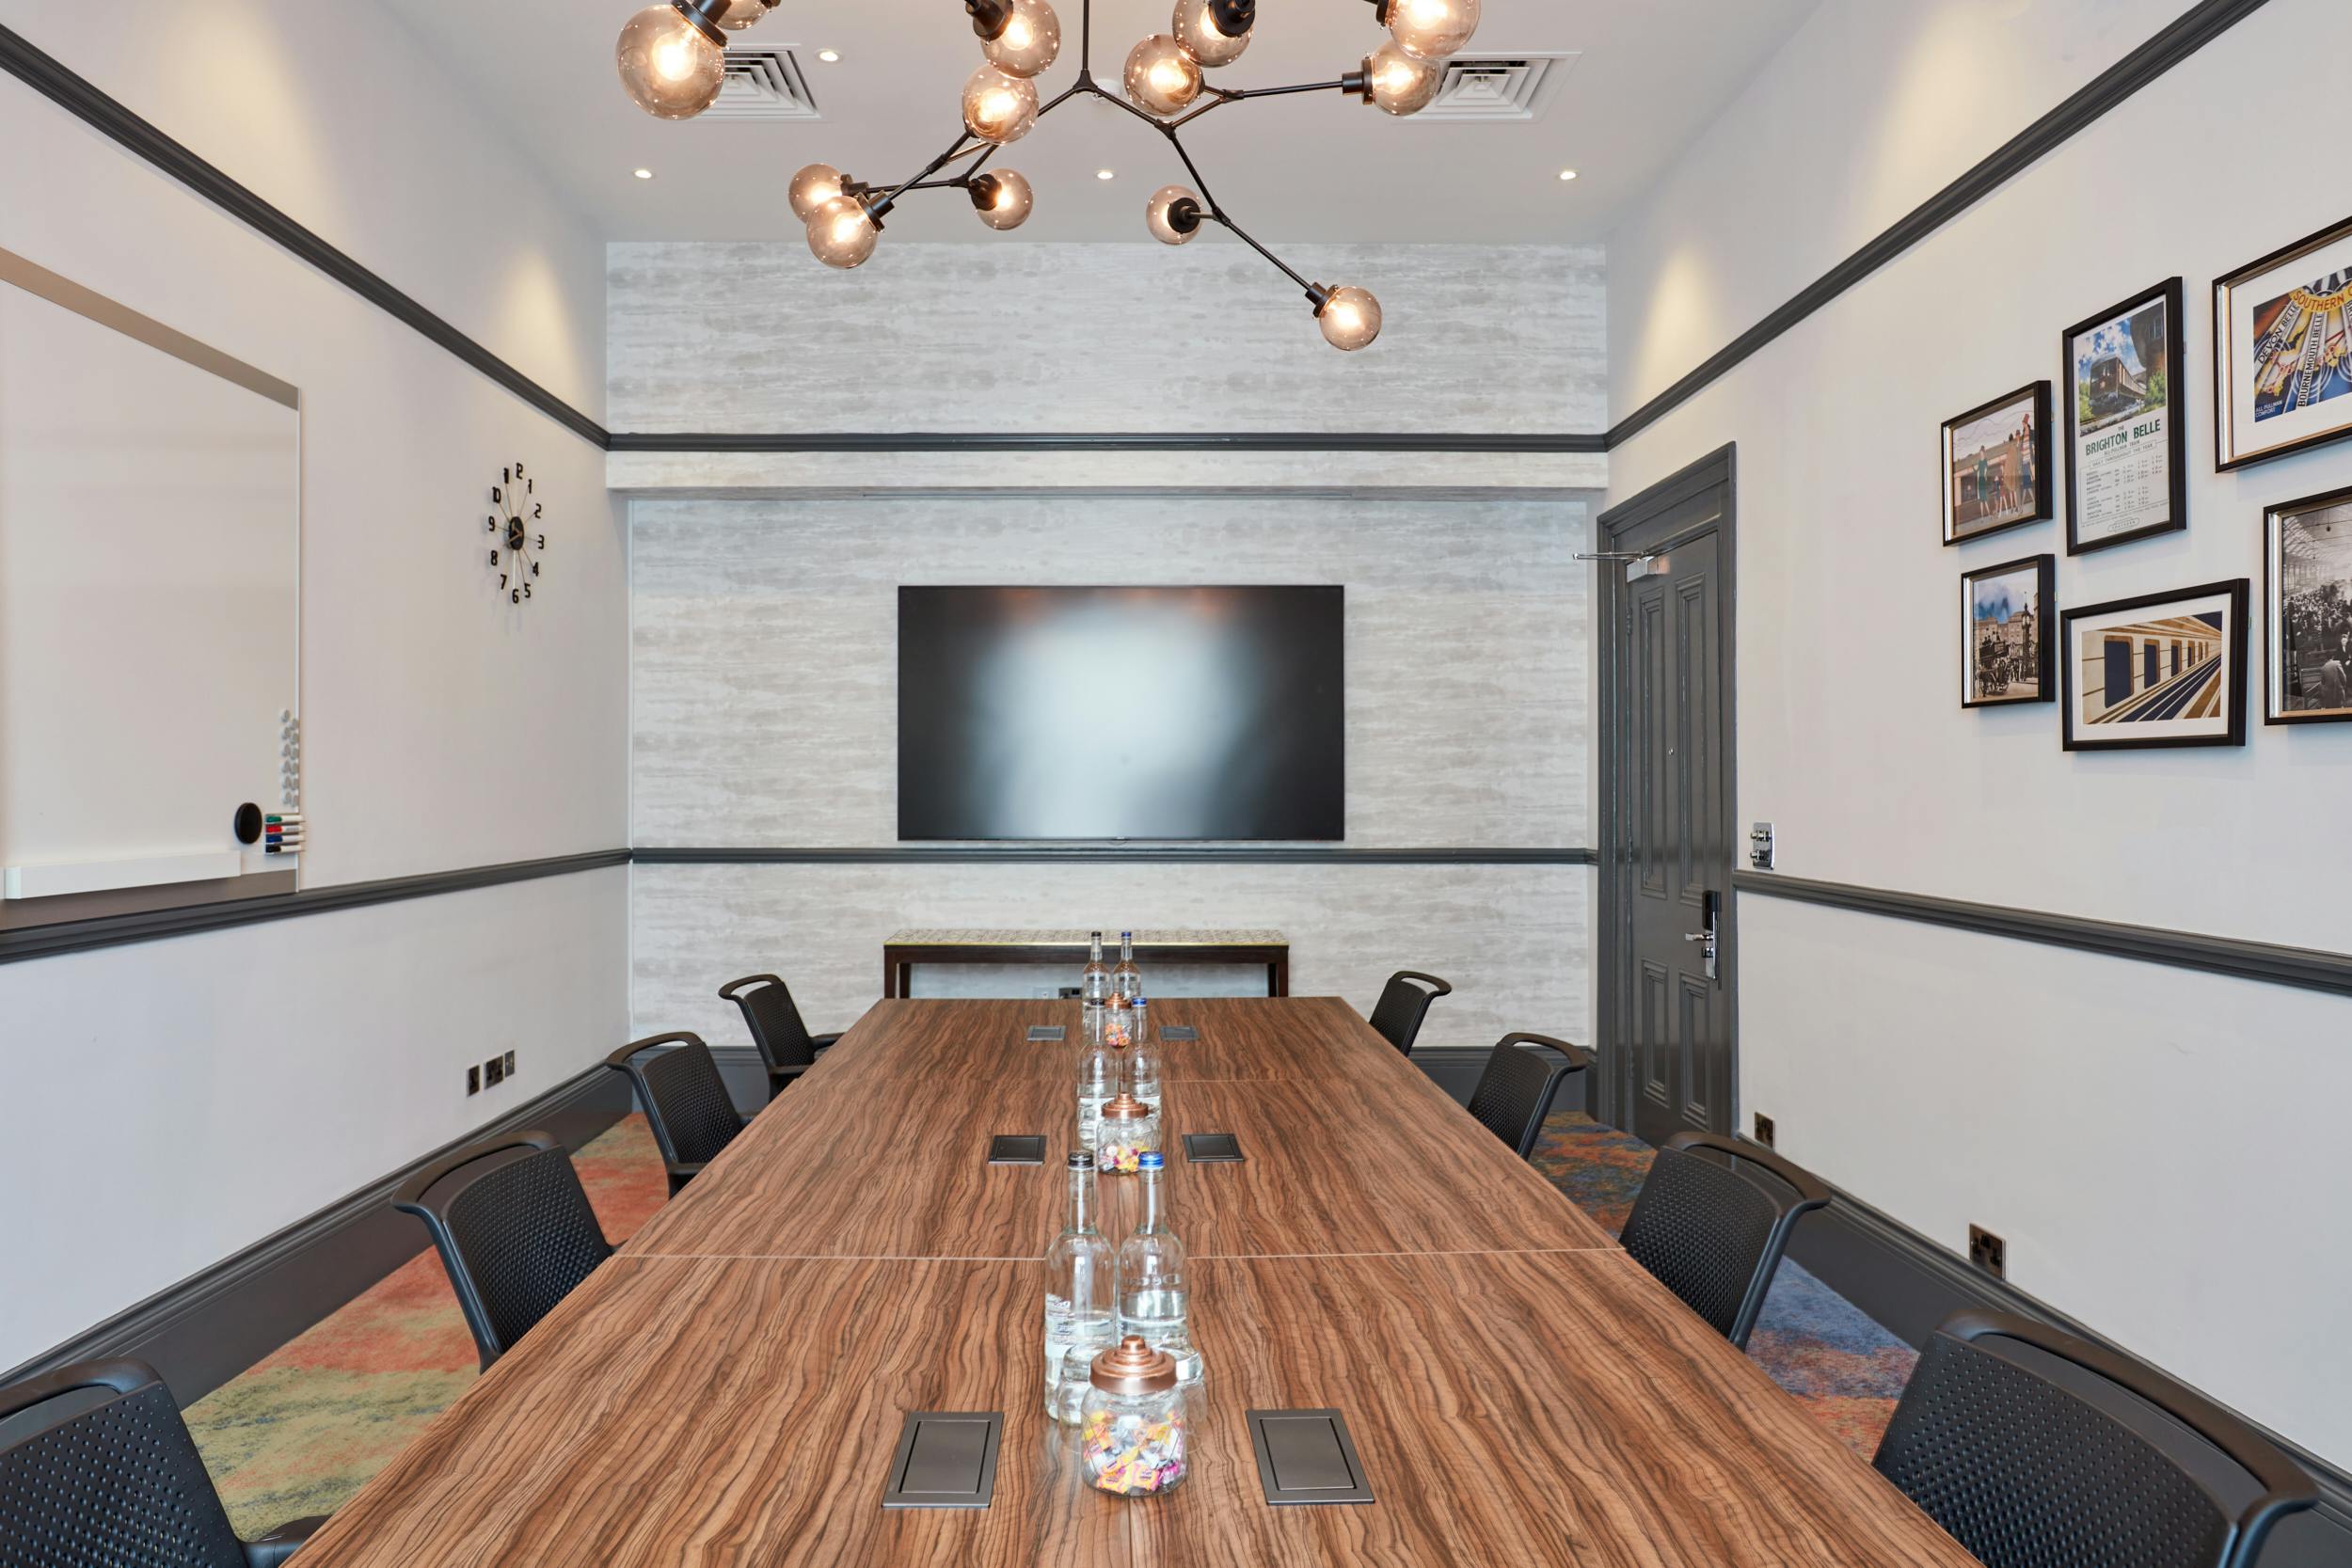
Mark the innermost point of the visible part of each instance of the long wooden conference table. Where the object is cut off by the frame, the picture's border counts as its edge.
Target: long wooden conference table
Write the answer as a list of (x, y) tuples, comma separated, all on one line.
[(730, 1388)]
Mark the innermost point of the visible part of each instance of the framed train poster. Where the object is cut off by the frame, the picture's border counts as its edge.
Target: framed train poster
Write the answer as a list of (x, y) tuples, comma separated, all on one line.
[(2128, 469), (2282, 351)]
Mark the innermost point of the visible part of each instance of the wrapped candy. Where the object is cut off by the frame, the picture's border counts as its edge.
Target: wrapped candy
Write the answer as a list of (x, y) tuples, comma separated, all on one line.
[(1133, 1433)]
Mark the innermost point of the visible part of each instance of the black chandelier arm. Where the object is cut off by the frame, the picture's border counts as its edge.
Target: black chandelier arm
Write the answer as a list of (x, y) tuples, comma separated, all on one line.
[(1243, 234), (882, 205)]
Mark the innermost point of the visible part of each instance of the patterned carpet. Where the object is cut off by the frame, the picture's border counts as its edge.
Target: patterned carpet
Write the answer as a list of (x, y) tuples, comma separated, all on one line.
[(298, 1433), (1814, 1343)]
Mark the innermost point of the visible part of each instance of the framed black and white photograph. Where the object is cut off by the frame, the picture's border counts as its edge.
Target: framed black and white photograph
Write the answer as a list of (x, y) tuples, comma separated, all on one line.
[(2005, 635), (2160, 669), (2282, 351), (1996, 466), (2127, 457), (2307, 588)]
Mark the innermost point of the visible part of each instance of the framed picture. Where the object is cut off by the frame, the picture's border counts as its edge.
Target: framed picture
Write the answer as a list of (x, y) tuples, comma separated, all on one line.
[(2161, 670), (2005, 633), (2282, 351), (2128, 464), (2307, 596), (1996, 466)]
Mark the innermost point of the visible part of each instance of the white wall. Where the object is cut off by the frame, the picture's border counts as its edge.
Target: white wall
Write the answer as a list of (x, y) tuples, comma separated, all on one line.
[(2162, 1150), (232, 1083)]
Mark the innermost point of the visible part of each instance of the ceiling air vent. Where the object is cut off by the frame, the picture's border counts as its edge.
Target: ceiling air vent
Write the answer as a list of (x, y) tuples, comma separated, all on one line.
[(1499, 87), (763, 84)]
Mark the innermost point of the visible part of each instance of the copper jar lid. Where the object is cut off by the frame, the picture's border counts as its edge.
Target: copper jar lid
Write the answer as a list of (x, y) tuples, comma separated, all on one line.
[(1133, 1367), (1125, 1108)]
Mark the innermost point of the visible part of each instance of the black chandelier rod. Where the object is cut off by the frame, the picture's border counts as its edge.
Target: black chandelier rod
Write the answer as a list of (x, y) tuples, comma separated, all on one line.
[(1086, 86)]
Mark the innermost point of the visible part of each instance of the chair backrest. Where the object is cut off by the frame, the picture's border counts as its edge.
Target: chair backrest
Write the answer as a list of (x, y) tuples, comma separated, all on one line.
[(2065, 1456), (1404, 1003), (773, 1020), (1712, 1233), (685, 1099), (97, 1470), (513, 1229), (1515, 1092)]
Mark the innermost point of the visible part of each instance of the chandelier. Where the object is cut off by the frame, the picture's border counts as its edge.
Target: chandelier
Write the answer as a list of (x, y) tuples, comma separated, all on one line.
[(673, 60)]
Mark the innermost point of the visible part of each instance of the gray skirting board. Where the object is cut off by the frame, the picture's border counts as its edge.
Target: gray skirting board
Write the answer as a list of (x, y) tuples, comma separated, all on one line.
[(2308, 968)]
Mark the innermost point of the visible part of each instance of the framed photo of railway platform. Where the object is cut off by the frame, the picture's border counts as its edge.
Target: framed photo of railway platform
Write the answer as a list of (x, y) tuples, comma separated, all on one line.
[(2160, 669), (2004, 648)]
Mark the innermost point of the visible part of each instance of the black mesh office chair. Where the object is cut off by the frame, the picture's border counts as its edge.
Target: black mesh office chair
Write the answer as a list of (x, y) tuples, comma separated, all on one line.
[(686, 1100), (2060, 1455), (97, 1470), (1515, 1092), (785, 1043), (1712, 1233), (514, 1229), (1404, 1003)]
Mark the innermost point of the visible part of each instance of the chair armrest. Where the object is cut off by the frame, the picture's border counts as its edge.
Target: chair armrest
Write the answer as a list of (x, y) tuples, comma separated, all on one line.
[(825, 1042), (282, 1542), (683, 1171), (788, 1074)]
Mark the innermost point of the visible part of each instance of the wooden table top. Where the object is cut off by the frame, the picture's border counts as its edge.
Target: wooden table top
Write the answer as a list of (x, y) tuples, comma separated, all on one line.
[(881, 1151), (729, 1388), (1539, 1408)]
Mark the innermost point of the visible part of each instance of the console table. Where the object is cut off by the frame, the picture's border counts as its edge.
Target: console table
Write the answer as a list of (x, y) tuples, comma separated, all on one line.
[(1067, 950)]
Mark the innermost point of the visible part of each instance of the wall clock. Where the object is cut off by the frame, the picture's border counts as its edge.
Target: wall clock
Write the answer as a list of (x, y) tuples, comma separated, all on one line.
[(514, 518)]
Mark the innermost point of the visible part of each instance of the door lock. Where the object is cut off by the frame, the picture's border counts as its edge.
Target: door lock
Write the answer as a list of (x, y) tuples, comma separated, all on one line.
[(1712, 906)]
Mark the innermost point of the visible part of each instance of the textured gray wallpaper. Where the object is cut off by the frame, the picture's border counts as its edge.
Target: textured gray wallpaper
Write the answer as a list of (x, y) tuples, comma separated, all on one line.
[(1023, 337), (1512, 940), (764, 681)]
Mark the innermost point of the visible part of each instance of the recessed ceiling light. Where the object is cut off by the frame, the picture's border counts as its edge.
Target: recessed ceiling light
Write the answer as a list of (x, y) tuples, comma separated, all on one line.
[(831, 56), (644, 174), (1568, 174)]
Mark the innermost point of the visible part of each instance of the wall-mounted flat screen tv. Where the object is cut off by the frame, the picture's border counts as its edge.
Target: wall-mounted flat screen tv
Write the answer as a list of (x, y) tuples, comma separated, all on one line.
[(1122, 713)]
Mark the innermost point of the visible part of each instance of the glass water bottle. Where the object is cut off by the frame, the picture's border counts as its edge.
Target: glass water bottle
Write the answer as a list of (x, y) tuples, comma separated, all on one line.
[(1153, 1298), (1143, 1057), (1094, 987), (1126, 979), (1098, 1078), (1081, 1290)]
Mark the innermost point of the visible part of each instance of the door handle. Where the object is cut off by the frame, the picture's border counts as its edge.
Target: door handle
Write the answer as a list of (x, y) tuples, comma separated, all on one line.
[(1698, 936), (1712, 907)]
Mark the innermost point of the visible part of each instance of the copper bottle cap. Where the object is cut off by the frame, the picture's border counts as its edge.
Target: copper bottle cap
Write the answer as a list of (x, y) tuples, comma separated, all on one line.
[(1133, 1367), (1125, 1108)]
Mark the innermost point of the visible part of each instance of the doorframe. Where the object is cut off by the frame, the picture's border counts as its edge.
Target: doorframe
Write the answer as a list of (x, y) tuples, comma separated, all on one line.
[(1619, 1080)]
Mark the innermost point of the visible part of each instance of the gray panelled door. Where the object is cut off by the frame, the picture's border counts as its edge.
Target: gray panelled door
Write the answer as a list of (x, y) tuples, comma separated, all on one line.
[(1668, 1019)]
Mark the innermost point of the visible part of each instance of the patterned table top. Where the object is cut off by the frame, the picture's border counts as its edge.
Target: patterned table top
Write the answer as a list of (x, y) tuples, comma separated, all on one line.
[(931, 936)]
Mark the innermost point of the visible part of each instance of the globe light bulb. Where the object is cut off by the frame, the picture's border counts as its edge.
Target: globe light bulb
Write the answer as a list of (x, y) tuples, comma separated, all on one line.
[(812, 188), (1398, 82), (998, 106), (1168, 223), (1432, 29), (742, 13), (842, 233), (1350, 318), (1198, 31), (1003, 199), (1030, 43), (1162, 78), (669, 67)]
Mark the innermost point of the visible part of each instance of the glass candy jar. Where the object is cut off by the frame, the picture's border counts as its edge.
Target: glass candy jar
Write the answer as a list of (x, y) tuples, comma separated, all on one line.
[(1125, 1133), (1132, 1428)]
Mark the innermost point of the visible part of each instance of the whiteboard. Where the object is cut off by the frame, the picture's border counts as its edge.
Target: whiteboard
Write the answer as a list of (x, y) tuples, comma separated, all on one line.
[(150, 601)]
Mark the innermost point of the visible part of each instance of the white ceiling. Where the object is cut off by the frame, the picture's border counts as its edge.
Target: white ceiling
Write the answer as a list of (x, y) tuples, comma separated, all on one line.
[(1321, 168)]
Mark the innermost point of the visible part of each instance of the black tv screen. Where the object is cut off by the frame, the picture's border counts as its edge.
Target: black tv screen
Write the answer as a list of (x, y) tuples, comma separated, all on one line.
[(1121, 713)]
